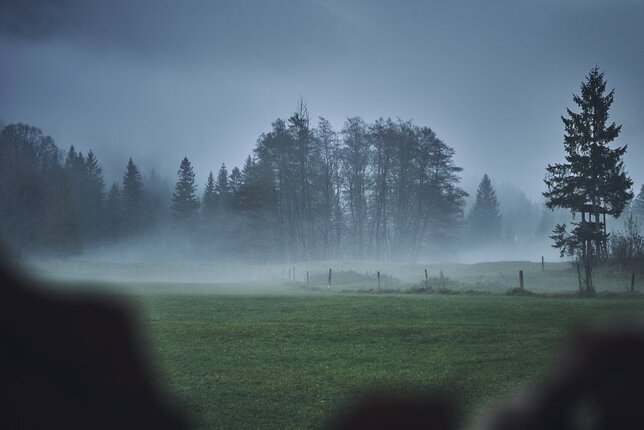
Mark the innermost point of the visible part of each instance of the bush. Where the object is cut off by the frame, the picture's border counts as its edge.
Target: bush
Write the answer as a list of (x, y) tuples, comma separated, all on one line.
[(627, 247)]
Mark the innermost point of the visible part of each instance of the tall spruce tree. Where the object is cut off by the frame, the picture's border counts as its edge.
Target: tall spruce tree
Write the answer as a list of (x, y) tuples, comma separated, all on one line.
[(209, 198), (133, 200), (184, 200), (592, 181), (484, 218), (222, 188)]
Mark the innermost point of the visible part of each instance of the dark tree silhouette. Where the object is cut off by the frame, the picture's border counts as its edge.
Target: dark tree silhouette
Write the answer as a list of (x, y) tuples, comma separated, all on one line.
[(484, 218), (592, 181), (355, 163), (209, 198), (184, 200), (133, 200), (31, 178)]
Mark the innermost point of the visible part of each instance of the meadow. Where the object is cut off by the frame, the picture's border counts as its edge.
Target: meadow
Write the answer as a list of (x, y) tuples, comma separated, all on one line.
[(280, 355)]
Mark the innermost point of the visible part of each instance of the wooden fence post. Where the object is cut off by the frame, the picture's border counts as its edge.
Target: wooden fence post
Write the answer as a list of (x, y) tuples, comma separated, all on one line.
[(521, 279), (378, 280), (330, 273), (543, 267), (307, 279), (426, 277), (633, 282)]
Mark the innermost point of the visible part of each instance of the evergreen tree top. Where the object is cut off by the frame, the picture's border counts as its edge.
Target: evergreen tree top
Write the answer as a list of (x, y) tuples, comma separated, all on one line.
[(486, 200), (132, 190), (209, 199), (222, 187), (485, 217), (184, 200)]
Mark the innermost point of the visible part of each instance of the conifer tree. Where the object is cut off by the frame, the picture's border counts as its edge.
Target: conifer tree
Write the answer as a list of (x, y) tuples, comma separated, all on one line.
[(209, 198), (222, 187), (592, 181), (234, 180), (484, 218), (94, 173), (133, 200), (93, 197), (184, 200)]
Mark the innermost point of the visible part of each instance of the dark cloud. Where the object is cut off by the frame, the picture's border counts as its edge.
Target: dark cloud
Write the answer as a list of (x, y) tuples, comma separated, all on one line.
[(224, 31)]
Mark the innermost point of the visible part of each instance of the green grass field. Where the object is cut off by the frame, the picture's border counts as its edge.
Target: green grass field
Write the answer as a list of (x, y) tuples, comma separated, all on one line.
[(275, 355), (292, 361)]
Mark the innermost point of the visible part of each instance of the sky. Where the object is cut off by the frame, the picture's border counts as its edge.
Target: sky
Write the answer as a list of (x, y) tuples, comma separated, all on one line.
[(157, 80)]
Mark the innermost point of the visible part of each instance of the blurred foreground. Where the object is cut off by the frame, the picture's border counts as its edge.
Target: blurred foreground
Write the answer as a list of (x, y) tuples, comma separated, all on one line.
[(298, 361)]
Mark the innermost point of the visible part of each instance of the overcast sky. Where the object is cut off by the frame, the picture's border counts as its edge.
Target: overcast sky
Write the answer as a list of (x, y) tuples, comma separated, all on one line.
[(159, 80)]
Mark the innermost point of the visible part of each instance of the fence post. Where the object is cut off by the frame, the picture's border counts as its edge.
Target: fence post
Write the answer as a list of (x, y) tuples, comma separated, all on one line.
[(521, 279), (633, 282), (307, 279), (330, 273), (426, 277), (543, 268), (378, 280)]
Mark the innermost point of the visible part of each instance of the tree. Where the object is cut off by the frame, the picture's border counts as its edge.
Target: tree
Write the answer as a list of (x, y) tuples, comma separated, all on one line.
[(355, 162), (133, 200), (327, 187), (31, 183), (234, 182), (209, 198), (85, 187), (484, 218), (592, 181), (439, 195), (222, 188), (184, 200)]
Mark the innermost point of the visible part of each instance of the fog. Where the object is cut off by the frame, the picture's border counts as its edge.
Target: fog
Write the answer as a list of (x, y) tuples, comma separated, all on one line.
[(159, 81)]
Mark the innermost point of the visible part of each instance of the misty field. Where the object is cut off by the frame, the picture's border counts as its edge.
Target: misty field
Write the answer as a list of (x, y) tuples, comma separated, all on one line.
[(274, 353), (292, 361)]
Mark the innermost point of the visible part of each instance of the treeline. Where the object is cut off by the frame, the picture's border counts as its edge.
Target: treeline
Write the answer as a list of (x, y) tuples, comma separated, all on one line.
[(56, 202), (382, 190)]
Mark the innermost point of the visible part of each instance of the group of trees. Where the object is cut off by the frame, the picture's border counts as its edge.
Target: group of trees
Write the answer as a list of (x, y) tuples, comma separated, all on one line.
[(384, 190), (56, 201), (381, 190)]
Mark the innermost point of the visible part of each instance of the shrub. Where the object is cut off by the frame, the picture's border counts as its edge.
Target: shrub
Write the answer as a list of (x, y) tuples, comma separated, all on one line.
[(627, 247)]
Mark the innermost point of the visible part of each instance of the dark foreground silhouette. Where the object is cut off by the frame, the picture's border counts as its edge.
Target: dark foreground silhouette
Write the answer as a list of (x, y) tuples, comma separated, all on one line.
[(73, 362)]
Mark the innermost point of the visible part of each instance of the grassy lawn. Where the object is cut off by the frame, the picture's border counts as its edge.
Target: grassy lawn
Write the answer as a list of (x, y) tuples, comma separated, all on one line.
[(248, 347), (291, 360)]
